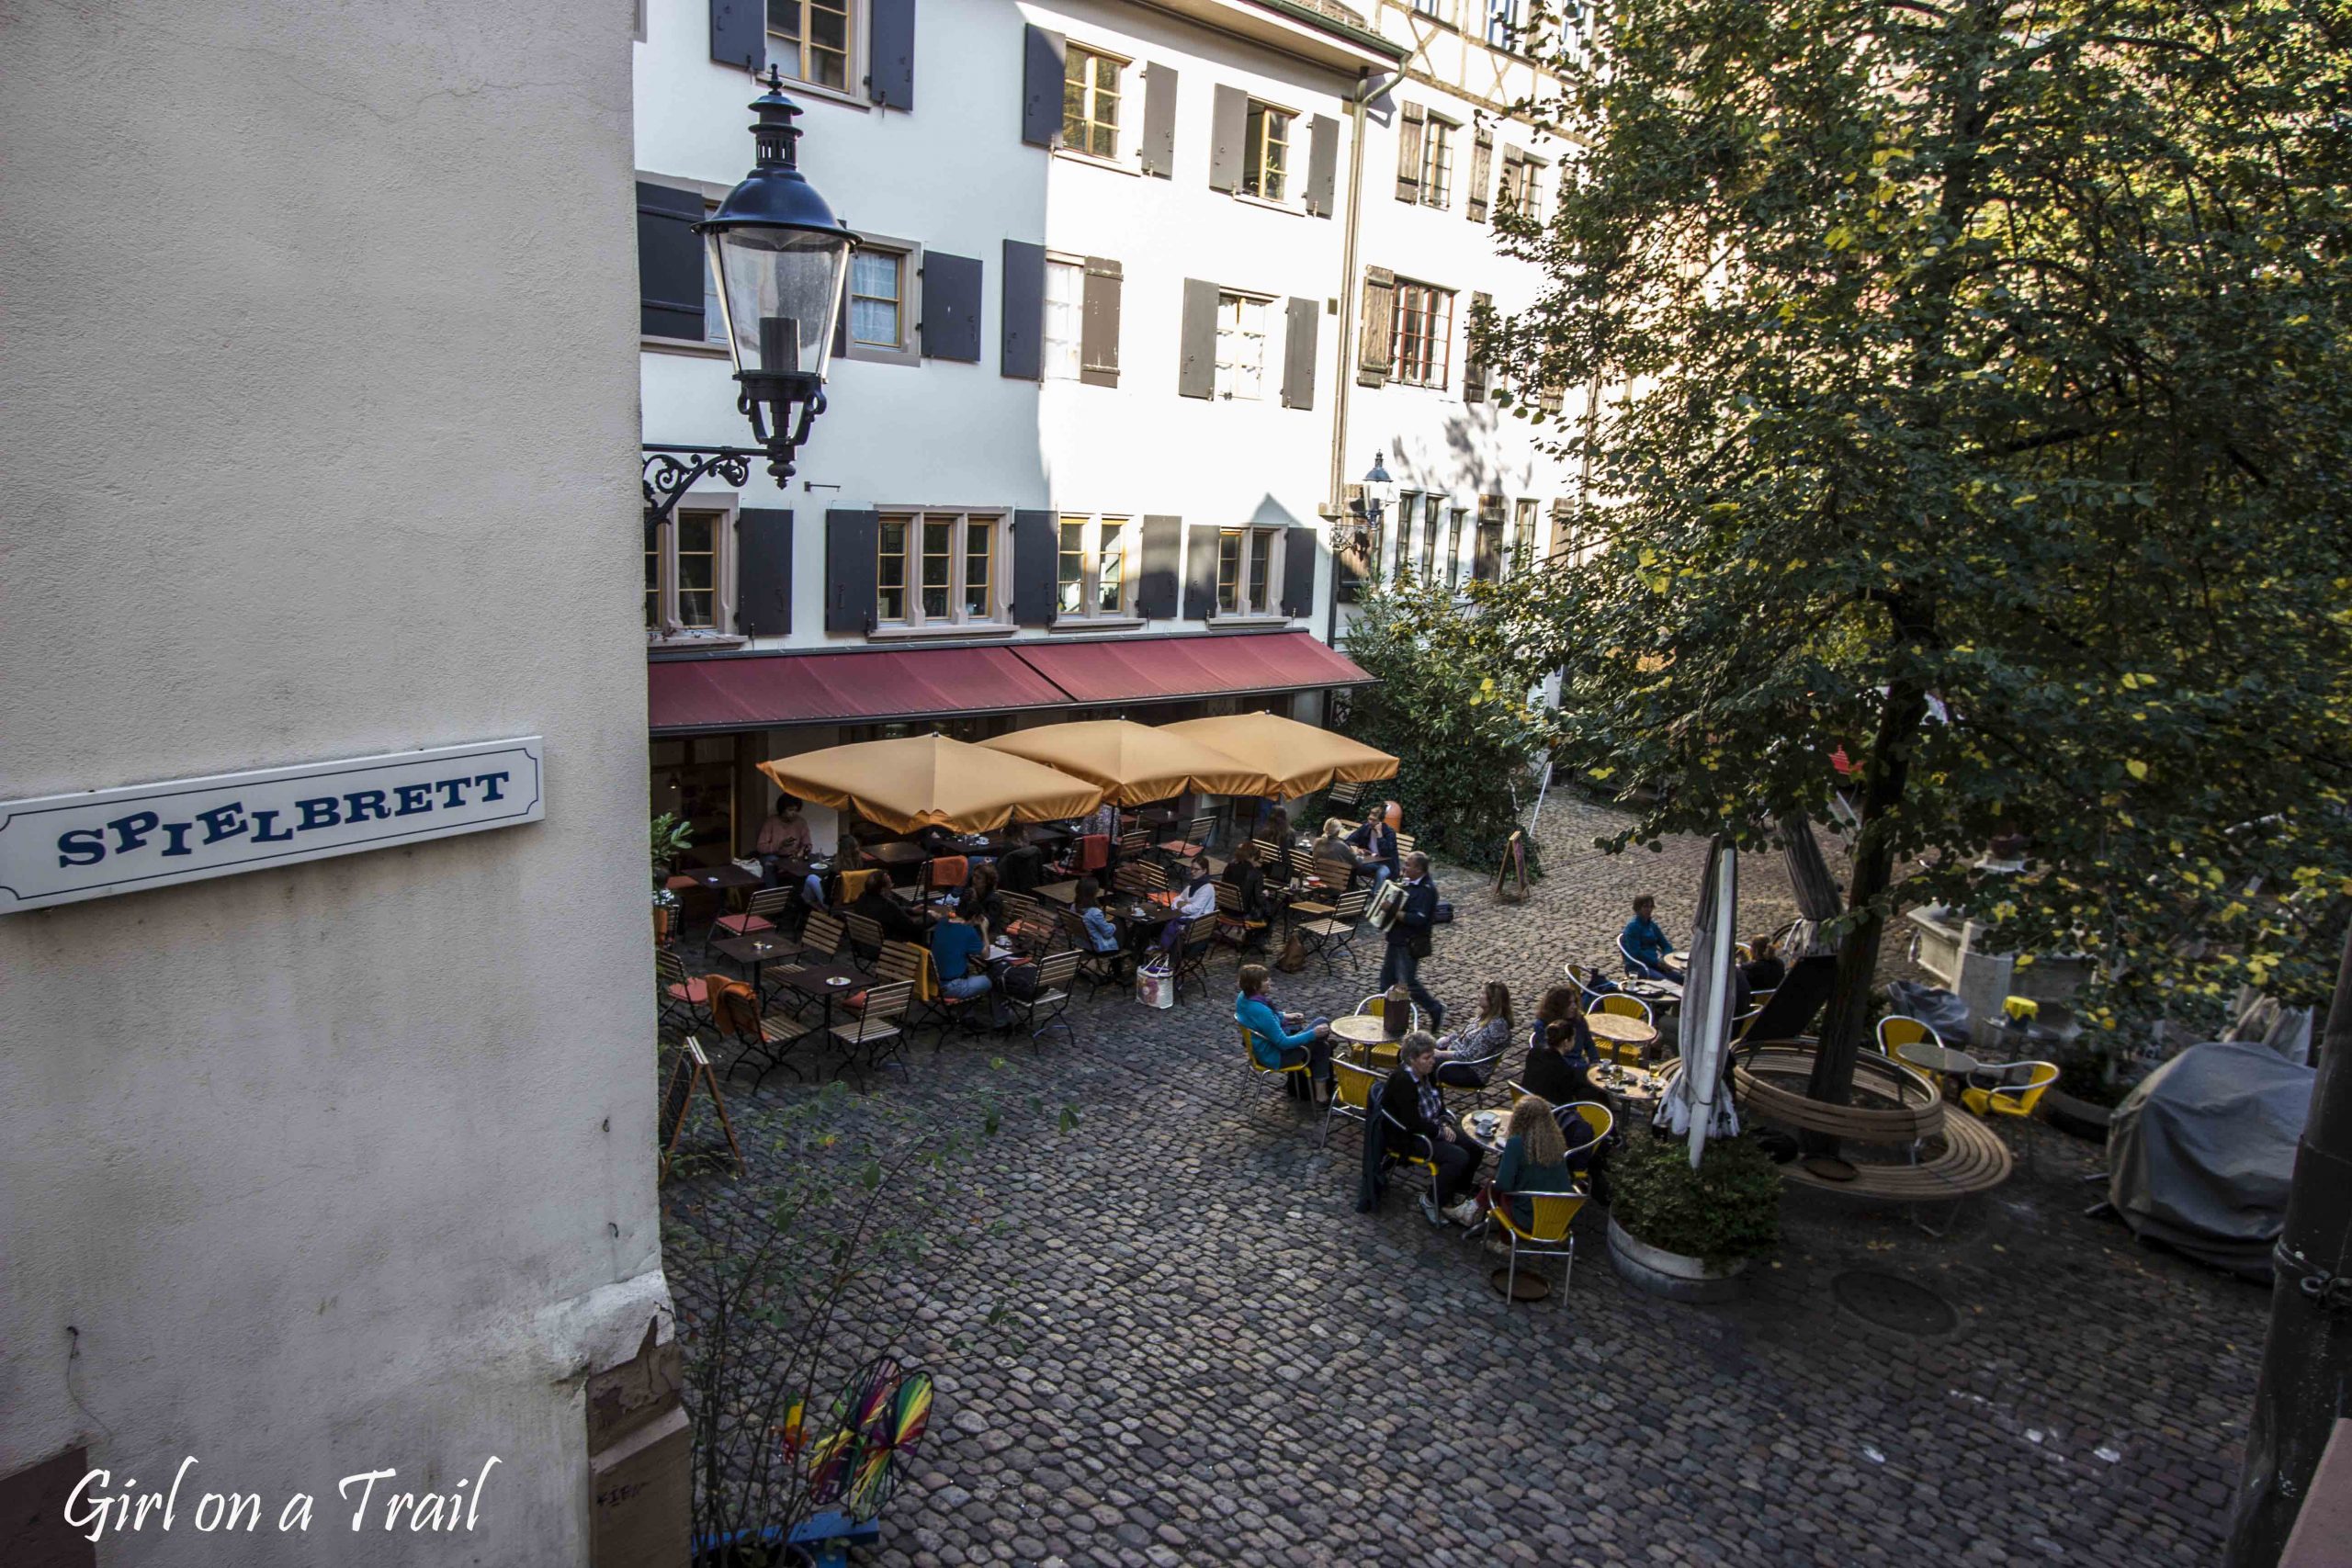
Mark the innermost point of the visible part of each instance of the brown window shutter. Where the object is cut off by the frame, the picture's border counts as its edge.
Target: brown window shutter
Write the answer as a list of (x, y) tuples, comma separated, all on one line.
[(1097, 325), (1474, 364), (1482, 160), (1374, 351), (1409, 121)]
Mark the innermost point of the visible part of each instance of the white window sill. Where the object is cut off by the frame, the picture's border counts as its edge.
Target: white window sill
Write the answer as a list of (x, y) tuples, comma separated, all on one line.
[(681, 346), (1222, 619), (677, 640), (934, 633), (1297, 210), (1097, 623), (1112, 166), (797, 91)]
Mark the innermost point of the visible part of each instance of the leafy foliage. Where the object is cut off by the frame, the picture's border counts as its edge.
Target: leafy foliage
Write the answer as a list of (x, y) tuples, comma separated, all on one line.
[(1453, 702), (1985, 391), (1726, 1209), (671, 838)]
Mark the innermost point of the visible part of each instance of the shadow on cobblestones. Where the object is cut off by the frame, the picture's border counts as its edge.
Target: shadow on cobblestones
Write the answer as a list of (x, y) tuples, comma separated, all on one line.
[(1215, 1360)]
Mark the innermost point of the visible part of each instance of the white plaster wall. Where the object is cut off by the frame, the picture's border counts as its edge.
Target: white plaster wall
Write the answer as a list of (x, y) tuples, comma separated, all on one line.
[(319, 435), (955, 174)]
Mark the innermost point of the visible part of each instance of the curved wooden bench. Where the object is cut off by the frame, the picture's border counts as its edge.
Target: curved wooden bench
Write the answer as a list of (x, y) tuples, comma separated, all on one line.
[(1917, 1111), (1973, 1160)]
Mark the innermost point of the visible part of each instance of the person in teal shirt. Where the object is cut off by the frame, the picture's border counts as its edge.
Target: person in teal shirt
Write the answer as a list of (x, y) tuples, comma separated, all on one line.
[(955, 943), (1535, 1159), (1274, 1040)]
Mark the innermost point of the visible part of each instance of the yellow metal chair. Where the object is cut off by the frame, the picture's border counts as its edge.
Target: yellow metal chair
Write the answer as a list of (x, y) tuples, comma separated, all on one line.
[(1546, 1235), (1597, 1117), (1899, 1029), (2012, 1099), (1623, 1052), (1400, 1143), (1249, 1054), (1384, 1055), (1353, 1090)]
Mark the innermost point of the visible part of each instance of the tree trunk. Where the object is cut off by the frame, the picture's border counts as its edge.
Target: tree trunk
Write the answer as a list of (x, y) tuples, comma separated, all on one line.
[(2307, 1361), (1848, 1018)]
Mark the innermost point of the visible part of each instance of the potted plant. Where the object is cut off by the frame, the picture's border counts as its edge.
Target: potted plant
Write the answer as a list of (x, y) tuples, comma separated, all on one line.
[(671, 839), (1686, 1233)]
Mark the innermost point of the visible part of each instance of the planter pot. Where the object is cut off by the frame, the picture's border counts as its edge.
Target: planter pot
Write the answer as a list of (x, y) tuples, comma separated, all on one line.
[(1670, 1274), (661, 925), (2075, 1118)]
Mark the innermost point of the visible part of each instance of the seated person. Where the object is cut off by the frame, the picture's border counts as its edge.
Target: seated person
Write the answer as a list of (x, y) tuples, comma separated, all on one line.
[(783, 836), (1481, 1041), (956, 945), (1333, 844), (1278, 834), (899, 923), (978, 902), (1021, 867), (1101, 931), (1198, 901), (1280, 1039), (1535, 1159), (1765, 968), (1551, 1073), (1412, 1099), (1643, 945), (1563, 1004), (1248, 883), (1374, 843)]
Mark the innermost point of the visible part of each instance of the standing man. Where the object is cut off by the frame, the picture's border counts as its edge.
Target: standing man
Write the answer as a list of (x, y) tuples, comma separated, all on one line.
[(1410, 941)]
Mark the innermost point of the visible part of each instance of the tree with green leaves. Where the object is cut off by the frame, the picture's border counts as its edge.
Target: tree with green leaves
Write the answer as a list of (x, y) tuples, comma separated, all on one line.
[(1973, 399)]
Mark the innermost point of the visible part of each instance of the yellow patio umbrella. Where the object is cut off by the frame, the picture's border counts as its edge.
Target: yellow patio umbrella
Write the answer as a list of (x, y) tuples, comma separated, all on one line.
[(1133, 763), (932, 781), (1298, 758)]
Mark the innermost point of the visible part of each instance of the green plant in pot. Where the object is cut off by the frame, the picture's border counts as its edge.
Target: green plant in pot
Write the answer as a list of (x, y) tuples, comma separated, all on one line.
[(1718, 1216), (671, 839)]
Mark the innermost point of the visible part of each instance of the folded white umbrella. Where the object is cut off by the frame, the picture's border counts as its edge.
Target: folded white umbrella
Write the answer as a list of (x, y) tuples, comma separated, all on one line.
[(1696, 1105)]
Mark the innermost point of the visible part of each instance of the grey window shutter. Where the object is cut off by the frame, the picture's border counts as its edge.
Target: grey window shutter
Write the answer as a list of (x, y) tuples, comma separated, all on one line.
[(1301, 319), (1487, 556), (1410, 121), (738, 33), (1157, 155), (1228, 129), (951, 307), (762, 571), (1322, 163), (1196, 359), (1474, 359), (1163, 545), (1482, 159), (850, 539), (1298, 573), (1200, 572), (1041, 87), (669, 263), (1352, 565), (1024, 348), (1374, 350), (1037, 545), (1098, 330), (891, 80)]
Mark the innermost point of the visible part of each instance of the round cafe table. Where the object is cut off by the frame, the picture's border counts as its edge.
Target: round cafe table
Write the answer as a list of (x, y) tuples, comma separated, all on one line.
[(1940, 1062), (1634, 1084), (1361, 1031), (1620, 1030)]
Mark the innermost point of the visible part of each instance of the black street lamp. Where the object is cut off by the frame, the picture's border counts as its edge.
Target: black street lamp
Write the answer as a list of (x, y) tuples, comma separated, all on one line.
[(781, 258)]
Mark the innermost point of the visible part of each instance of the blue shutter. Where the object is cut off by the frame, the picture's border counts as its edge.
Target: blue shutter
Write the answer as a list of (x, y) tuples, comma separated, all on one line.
[(850, 539), (739, 34), (1036, 568), (1041, 87), (669, 263), (891, 80), (762, 571), (1022, 355), (951, 307), (1298, 573), (1163, 545)]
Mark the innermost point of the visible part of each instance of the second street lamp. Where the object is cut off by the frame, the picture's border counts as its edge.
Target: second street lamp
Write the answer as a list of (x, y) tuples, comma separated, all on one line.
[(781, 259)]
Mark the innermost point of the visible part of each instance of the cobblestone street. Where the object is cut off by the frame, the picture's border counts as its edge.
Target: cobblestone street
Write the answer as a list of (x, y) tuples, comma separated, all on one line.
[(1212, 1357)]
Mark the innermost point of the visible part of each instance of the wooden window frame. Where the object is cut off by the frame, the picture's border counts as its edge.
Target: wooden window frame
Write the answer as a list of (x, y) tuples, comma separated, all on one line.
[(668, 631), (1437, 162), (909, 350), (1245, 582), (1432, 513), (915, 620), (1431, 309), (1089, 93), (852, 43), (1265, 336), (1527, 170), (1254, 150), (1125, 532), (1076, 344)]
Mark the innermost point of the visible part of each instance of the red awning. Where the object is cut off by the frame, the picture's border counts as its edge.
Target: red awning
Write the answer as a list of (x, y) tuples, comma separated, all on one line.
[(772, 690), (1142, 669)]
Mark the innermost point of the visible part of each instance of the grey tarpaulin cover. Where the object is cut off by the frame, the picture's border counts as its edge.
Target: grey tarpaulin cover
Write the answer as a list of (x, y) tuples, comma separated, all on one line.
[(2201, 1154)]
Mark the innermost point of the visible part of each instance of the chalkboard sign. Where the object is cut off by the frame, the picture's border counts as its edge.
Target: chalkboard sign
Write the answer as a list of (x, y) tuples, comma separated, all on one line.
[(1510, 877), (677, 1101)]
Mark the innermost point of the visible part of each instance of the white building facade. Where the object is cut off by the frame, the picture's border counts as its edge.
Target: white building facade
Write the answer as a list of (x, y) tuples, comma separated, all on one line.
[(1099, 393)]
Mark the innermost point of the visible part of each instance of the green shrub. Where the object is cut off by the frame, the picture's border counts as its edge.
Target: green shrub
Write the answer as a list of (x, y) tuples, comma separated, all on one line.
[(1726, 1209)]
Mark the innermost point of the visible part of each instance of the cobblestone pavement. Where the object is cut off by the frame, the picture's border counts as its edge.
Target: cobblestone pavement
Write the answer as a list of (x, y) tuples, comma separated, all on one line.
[(1213, 1358)]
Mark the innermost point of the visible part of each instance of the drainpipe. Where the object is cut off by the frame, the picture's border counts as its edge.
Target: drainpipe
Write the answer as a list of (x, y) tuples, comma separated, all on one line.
[(1367, 85)]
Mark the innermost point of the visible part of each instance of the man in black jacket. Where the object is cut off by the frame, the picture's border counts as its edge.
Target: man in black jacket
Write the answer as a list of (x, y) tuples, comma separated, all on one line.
[(1374, 843), (1409, 938), (1411, 1097)]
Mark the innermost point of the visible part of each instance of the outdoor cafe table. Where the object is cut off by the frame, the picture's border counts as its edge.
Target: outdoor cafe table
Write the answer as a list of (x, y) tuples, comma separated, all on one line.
[(753, 951), (1060, 892), (1362, 1033), (1636, 1085), (899, 853), (1941, 1060), (1620, 1030), (825, 980)]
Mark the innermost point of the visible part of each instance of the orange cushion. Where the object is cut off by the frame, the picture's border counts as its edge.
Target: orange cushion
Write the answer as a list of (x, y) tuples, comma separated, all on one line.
[(690, 991), (744, 925)]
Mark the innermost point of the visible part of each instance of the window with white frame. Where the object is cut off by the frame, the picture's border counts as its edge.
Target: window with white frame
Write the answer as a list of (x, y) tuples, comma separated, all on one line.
[(938, 569), (1065, 309), (1424, 334), (1091, 93), (1432, 510), (1437, 162), (1523, 544), (1504, 19), (1265, 157), (1520, 192), (1241, 346), (1454, 548), (686, 562), (809, 40), (877, 297), (1095, 569), (1249, 561)]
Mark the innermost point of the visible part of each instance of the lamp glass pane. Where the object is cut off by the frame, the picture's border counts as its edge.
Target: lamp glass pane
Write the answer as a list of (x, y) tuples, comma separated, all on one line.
[(781, 289)]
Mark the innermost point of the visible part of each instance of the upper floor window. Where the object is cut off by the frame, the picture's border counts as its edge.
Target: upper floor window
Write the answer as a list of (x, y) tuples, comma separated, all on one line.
[(1091, 101), (937, 569), (1504, 19), (684, 576), (1241, 345), (1065, 319), (1436, 162), (1094, 573), (1519, 193), (809, 40), (878, 296), (1265, 161), (1432, 510), (1454, 548), (1247, 560), (1424, 336), (1522, 540)]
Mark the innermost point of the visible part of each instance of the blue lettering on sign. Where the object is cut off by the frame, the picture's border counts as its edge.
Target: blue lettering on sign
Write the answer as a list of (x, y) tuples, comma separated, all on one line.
[(88, 846)]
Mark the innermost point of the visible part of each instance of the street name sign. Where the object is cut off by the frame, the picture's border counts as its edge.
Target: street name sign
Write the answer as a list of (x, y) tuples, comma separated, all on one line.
[(64, 848)]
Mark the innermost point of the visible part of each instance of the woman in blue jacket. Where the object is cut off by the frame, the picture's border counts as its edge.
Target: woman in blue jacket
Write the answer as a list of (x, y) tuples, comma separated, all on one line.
[(1280, 1040)]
